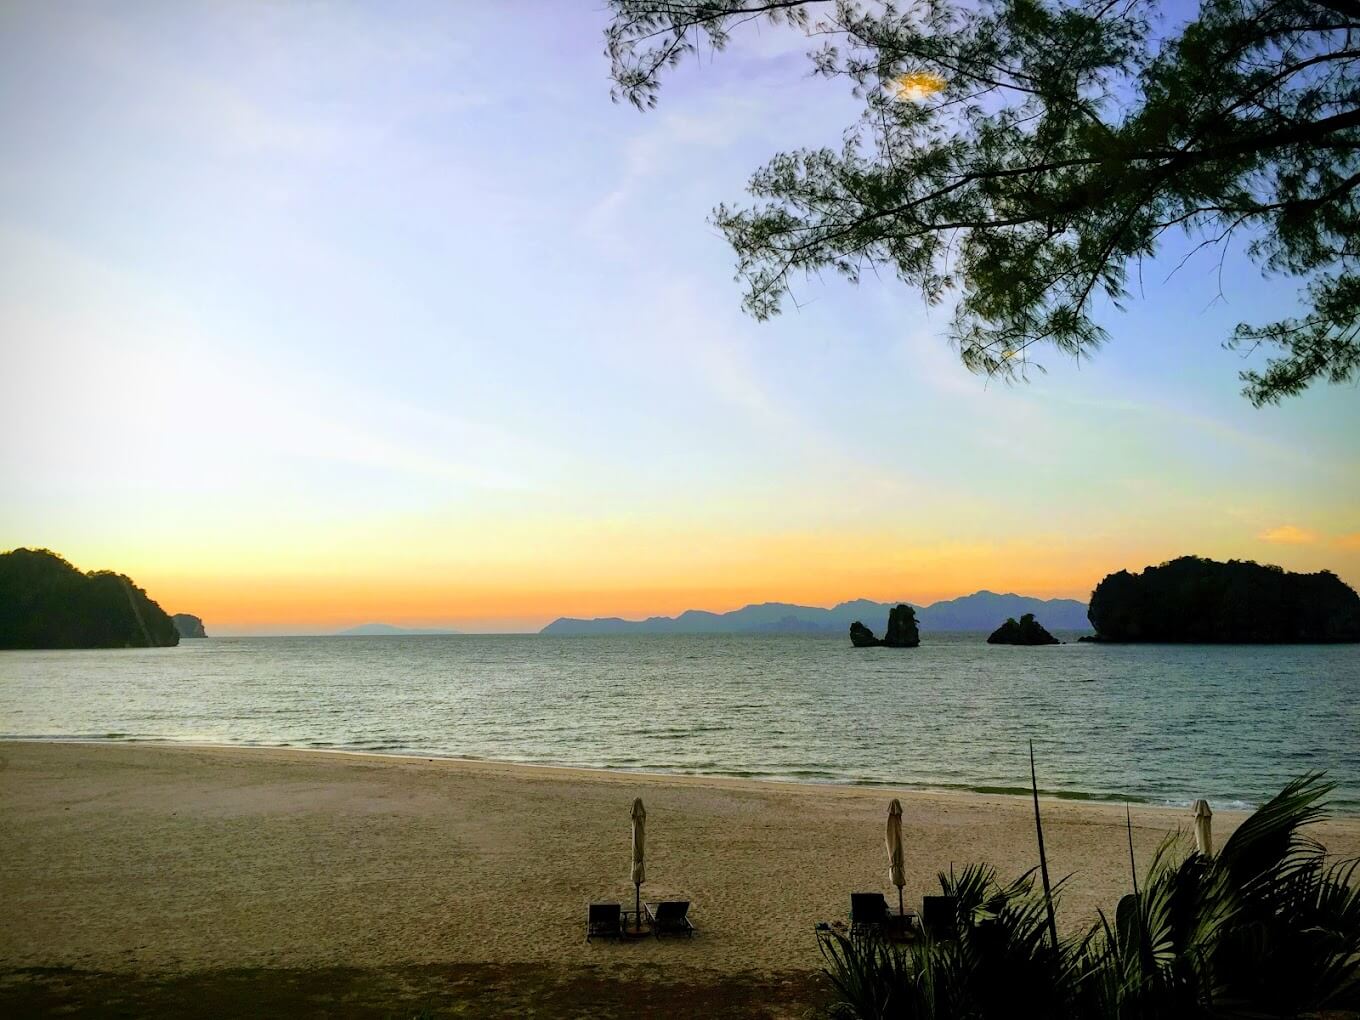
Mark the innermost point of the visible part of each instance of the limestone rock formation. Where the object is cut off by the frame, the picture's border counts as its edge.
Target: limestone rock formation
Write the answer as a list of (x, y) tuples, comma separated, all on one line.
[(902, 631), (1239, 602), (1028, 631), (862, 637), (189, 626)]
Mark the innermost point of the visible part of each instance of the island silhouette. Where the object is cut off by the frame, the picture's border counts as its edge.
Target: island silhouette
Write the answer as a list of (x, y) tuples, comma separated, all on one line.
[(45, 602), (1201, 601)]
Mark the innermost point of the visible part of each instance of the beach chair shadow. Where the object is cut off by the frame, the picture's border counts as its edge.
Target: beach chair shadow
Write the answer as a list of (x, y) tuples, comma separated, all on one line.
[(670, 917)]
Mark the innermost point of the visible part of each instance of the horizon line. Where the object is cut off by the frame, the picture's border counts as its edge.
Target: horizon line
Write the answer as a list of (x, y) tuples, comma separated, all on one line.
[(413, 629)]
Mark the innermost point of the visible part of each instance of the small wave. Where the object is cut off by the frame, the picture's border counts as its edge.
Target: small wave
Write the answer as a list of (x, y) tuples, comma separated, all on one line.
[(46, 738), (1224, 805), (1025, 791)]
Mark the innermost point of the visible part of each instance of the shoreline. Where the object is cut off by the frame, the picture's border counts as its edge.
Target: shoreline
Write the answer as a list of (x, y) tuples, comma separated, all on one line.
[(1235, 807), (144, 858)]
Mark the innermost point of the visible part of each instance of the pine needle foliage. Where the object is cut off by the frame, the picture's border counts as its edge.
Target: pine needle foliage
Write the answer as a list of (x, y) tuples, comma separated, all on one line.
[(1040, 153)]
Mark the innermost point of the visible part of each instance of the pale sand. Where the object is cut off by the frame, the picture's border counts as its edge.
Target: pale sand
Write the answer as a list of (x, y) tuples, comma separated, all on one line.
[(155, 858)]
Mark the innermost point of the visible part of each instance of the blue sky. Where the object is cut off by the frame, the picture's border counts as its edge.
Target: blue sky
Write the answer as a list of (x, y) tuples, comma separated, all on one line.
[(320, 313)]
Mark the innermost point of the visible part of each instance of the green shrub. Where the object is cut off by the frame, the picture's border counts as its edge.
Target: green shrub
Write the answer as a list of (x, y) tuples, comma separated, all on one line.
[(1268, 928)]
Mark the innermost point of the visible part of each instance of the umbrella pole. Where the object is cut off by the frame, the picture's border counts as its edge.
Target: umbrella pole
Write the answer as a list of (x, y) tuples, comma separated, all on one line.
[(901, 914), (637, 906)]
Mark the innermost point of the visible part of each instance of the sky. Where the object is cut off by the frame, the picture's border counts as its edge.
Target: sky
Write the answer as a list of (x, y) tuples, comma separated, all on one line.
[(319, 314)]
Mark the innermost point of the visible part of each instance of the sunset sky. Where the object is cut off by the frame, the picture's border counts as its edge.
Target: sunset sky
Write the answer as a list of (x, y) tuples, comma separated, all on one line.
[(320, 314)]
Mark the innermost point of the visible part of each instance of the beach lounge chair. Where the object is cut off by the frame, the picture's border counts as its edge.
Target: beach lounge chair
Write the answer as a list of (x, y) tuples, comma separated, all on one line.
[(868, 913), (670, 917), (938, 915), (604, 921)]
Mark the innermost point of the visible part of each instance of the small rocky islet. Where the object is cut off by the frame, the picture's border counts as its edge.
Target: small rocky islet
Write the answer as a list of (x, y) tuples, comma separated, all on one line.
[(902, 631), (188, 625), (1025, 631)]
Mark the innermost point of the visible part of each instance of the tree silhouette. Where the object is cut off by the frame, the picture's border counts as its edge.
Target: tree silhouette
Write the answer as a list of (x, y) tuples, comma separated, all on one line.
[(1028, 155)]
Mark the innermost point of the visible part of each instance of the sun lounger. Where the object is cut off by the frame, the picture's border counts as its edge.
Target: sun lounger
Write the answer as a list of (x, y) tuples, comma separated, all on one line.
[(670, 917), (868, 913), (938, 915), (604, 921)]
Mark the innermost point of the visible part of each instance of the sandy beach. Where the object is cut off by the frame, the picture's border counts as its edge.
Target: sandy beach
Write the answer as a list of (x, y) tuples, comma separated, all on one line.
[(126, 863)]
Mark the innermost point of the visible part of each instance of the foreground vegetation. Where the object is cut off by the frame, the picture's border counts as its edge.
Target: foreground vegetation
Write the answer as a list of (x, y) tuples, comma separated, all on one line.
[(1266, 928)]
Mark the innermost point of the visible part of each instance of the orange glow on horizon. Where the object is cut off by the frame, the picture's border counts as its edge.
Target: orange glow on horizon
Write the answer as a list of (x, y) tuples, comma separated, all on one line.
[(246, 603), (522, 575)]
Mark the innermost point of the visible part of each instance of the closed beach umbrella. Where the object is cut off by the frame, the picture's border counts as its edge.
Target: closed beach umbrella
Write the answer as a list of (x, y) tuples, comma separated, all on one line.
[(1204, 834), (639, 870), (897, 872)]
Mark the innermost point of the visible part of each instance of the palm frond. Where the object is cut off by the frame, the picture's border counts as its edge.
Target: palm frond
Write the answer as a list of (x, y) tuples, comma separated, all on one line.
[(1268, 928)]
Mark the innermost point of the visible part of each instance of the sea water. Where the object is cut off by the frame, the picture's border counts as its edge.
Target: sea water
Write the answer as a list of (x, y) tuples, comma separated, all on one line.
[(1157, 723)]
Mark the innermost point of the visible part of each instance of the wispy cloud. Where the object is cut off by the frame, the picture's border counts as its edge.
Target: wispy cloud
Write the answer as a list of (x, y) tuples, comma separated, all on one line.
[(1289, 534), (665, 149), (1349, 542)]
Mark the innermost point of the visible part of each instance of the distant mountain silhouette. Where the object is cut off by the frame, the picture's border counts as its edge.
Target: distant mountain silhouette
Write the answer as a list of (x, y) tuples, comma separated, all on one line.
[(45, 602), (388, 630), (982, 610), (985, 610)]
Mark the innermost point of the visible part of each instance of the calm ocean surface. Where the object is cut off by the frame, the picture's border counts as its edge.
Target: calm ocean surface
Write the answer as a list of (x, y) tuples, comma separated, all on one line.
[(1144, 722)]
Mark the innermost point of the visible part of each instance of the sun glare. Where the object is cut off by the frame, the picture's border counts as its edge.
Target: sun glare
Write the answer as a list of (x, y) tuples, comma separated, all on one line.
[(916, 86)]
